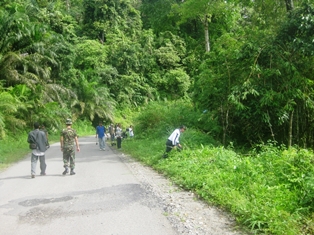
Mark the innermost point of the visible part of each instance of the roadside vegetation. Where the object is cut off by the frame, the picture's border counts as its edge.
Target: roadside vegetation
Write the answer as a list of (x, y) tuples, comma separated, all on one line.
[(239, 74), (269, 188)]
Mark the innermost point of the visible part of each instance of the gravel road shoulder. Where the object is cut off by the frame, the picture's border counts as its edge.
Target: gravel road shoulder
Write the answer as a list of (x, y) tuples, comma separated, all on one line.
[(187, 214)]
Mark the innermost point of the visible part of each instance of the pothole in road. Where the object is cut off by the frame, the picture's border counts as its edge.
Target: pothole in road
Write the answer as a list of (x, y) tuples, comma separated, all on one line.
[(36, 202)]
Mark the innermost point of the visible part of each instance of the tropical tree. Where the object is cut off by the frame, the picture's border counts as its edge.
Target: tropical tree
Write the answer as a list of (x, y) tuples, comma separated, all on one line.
[(276, 96), (10, 105), (104, 17), (156, 15), (207, 12), (94, 101), (28, 54)]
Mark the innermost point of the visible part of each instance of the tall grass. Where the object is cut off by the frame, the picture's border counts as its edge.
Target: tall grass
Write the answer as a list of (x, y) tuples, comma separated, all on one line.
[(12, 149), (270, 189)]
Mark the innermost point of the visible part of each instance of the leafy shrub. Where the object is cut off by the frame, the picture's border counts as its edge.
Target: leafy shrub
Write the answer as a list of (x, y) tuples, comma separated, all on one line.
[(160, 118), (270, 190)]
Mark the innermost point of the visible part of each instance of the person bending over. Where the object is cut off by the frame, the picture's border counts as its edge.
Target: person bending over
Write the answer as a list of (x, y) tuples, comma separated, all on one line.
[(173, 140)]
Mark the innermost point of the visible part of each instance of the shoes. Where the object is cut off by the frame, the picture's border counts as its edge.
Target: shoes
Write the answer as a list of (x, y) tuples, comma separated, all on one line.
[(33, 176), (72, 172), (43, 174), (65, 171)]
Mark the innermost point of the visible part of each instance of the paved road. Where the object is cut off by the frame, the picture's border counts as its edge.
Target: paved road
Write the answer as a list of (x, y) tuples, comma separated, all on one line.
[(102, 198)]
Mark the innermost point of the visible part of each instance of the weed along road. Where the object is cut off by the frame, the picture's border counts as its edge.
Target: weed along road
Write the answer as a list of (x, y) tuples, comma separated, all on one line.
[(104, 197)]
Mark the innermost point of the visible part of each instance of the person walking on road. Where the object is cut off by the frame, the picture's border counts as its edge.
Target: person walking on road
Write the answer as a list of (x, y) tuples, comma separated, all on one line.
[(173, 140), (38, 143), (100, 133), (111, 132), (68, 137), (119, 136)]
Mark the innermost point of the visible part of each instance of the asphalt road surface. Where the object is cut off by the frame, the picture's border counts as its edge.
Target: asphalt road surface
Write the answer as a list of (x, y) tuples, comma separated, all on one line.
[(104, 197)]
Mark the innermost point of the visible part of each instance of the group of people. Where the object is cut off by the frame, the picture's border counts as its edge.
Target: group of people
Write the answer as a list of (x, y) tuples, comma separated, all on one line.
[(38, 140), (115, 132)]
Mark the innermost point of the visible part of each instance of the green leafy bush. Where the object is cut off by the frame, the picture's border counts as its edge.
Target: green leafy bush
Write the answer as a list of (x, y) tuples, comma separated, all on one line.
[(160, 118), (269, 189)]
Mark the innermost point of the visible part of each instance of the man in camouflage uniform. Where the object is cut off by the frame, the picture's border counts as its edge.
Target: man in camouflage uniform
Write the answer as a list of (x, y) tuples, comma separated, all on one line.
[(67, 138)]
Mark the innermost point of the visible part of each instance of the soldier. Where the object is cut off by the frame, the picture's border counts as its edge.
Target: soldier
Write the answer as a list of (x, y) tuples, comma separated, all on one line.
[(67, 138)]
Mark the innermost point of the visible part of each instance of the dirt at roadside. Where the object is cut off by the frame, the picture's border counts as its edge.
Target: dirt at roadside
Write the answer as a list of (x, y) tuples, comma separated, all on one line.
[(187, 214)]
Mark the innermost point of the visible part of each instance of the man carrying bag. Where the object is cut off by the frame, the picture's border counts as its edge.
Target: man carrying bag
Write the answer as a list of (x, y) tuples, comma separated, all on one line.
[(38, 143)]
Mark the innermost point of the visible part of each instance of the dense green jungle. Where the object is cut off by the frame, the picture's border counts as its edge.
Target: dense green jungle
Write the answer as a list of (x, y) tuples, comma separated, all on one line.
[(237, 73)]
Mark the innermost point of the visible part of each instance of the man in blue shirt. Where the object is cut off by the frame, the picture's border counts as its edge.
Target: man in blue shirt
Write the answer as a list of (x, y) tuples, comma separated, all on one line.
[(173, 140), (100, 133)]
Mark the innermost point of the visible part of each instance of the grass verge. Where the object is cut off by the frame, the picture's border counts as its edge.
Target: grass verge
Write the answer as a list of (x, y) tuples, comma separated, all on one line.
[(269, 192)]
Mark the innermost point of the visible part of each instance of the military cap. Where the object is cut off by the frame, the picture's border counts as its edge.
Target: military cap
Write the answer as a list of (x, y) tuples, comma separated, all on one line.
[(68, 122)]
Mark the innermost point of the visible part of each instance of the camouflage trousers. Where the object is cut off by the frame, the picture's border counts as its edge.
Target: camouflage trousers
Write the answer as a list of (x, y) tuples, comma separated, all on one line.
[(69, 157)]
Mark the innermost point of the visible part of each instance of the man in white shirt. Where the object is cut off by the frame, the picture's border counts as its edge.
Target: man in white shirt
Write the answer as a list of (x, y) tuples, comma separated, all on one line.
[(131, 133), (173, 140)]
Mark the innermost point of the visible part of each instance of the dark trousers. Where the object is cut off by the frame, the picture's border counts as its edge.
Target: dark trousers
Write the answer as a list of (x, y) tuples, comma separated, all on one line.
[(119, 140), (169, 146)]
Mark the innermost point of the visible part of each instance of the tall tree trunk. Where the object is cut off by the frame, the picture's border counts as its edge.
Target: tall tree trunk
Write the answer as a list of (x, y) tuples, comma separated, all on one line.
[(225, 124), (270, 127), (290, 129), (289, 5), (68, 5), (207, 43)]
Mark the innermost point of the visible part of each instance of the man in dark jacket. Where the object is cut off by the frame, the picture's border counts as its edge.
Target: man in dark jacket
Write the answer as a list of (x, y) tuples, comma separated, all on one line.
[(38, 139)]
